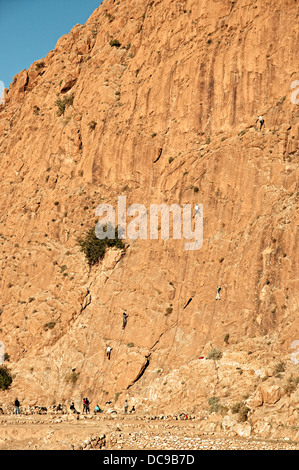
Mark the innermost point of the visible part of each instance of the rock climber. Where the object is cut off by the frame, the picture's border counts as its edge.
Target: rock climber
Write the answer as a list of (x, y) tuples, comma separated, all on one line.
[(260, 119), (218, 293), (126, 406), (125, 316), (108, 351), (197, 210)]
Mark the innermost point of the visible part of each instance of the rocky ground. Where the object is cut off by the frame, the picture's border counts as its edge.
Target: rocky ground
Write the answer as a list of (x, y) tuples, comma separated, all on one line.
[(122, 432)]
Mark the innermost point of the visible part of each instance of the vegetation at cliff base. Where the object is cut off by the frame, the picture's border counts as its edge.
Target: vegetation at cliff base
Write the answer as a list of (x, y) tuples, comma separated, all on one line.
[(5, 378)]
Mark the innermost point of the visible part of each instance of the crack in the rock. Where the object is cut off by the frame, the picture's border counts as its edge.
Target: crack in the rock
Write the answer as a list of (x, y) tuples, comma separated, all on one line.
[(141, 372), (147, 358), (188, 303), (159, 155)]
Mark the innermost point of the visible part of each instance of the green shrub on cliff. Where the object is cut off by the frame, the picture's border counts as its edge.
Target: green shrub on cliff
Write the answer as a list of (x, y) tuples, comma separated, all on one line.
[(95, 248), (214, 354), (115, 43), (5, 378), (241, 409), (63, 103)]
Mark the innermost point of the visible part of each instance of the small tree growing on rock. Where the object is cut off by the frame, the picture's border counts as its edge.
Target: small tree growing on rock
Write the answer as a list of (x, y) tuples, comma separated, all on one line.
[(63, 103), (72, 377), (214, 354), (5, 378), (279, 367), (241, 409), (216, 407), (95, 248)]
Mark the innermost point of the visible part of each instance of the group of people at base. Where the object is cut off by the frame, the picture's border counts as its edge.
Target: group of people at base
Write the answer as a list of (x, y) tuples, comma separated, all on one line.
[(97, 409)]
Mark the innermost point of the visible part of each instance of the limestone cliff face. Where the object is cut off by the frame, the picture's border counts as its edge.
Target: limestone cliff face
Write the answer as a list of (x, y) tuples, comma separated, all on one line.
[(162, 102)]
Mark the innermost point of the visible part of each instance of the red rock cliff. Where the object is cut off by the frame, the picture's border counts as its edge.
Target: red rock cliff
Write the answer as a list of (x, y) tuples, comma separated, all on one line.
[(163, 98)]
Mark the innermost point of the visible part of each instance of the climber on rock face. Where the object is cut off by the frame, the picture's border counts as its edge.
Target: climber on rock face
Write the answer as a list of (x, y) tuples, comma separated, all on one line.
[(218, 293), (197, 210), (108, 350), (126, 406), (260, 119), (125, 316)]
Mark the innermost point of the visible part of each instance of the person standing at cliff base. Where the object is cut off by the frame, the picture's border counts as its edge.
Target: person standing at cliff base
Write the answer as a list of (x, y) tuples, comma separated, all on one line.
[(17, 407), (197, 210), (84, 405), (87, 403)]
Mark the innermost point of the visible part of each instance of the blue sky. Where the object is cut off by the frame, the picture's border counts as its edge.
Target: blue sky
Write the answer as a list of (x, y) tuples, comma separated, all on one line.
[(29, 29)]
